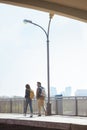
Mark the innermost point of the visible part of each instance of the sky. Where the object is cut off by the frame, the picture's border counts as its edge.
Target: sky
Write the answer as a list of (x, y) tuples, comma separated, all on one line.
[(23, 51)]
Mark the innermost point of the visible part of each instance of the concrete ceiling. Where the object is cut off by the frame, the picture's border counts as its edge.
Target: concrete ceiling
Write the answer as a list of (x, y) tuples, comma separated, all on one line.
[(76, 9)]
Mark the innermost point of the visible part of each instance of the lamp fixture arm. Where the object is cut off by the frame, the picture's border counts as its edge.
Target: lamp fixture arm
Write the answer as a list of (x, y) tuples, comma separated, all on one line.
[(29, 21)]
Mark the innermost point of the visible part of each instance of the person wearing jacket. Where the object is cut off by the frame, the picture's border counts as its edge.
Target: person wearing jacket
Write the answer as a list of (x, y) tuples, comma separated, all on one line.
[(28, 100), (40, 99)]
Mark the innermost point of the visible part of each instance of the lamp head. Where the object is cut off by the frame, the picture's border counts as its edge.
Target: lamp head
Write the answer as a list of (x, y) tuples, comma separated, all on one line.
[(27, 21)]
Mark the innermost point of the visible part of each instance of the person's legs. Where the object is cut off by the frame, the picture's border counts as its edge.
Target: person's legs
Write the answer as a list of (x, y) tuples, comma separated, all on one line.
[(43, 105), (39, 107), (25, 106), (31, 108)]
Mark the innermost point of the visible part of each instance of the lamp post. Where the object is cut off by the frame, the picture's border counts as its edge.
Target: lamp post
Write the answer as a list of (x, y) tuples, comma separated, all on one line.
[(48, 69)]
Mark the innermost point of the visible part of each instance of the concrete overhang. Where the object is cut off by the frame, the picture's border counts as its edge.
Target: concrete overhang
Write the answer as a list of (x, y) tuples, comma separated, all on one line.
[(75, 9)]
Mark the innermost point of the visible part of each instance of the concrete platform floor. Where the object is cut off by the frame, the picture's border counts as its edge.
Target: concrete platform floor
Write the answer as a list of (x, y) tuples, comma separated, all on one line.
[(54, 122)]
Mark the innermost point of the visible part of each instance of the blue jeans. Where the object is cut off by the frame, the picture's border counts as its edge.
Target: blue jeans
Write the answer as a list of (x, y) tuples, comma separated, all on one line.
[(28, 101)]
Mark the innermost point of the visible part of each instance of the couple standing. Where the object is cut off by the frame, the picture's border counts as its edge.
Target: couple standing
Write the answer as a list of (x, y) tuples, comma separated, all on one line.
[(40, 100)]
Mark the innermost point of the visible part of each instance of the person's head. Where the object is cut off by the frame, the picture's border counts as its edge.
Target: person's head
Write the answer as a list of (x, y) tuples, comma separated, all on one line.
[(38, 84), (27, 86)]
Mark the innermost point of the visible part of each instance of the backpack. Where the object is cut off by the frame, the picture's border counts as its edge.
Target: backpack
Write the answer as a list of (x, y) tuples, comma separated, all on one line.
[(42, 92), (31, 94)]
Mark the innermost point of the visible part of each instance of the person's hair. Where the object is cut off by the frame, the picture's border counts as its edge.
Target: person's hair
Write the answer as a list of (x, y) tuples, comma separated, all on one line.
[(39, 83), (27, 86)]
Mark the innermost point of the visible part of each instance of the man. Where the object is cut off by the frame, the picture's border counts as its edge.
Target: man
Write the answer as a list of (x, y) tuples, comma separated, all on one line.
[(40, 99), (28, 100)]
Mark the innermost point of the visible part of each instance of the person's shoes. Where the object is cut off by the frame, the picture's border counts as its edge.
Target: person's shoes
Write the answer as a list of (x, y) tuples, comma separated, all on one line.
[(31, 116), (39, 115), (24, 114)]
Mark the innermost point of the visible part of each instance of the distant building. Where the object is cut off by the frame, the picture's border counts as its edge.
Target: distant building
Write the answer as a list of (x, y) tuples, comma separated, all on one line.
[(81, 92), (63, 93), (53, 91), (67, 91)]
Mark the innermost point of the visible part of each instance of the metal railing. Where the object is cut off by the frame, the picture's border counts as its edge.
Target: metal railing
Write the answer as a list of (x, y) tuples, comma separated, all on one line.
[(60, 106)]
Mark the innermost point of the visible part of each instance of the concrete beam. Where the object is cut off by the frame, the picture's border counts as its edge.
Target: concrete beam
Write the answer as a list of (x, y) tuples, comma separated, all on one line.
[(64, 10)]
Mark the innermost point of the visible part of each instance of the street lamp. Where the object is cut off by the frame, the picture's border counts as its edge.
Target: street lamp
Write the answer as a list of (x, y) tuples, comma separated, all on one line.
[(48, 72)]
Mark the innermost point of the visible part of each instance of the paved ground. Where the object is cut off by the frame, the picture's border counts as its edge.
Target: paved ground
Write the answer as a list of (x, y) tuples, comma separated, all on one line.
[(53, 121), (52, 118)]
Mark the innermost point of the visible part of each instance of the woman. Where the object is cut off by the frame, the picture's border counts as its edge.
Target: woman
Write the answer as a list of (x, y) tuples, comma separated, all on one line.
[(28, 100)]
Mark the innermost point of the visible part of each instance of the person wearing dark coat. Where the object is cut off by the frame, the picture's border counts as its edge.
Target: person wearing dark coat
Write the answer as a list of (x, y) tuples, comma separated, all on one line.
[(28, 100)]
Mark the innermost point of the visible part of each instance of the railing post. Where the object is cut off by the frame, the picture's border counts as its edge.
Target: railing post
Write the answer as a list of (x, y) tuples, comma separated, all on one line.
[(10, 105), (59, 104), (76, 106)]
